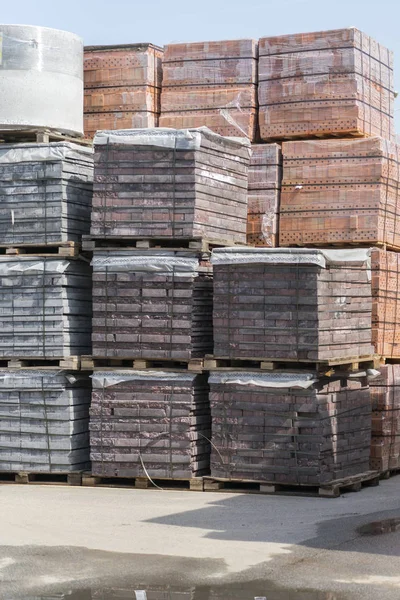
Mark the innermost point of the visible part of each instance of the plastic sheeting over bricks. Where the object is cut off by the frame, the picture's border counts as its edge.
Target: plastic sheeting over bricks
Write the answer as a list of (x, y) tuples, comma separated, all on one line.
[(340, 191), (329, 82), (212, 84), (265, 176), (151, 304), (150, 423), (168, 183), (45, 307), (46, 192), (385, 398), (122, 87), (296, 435), (44, 421), (292, 303)]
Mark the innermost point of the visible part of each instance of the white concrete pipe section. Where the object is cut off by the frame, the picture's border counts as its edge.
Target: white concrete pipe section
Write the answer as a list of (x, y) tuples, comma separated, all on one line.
[(41, 79)]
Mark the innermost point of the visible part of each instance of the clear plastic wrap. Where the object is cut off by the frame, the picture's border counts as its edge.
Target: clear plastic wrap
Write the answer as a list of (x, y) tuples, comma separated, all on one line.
[(104, 379), (36, 64), (267, 380), (9, 265), (154, 264), (19, 153), (322, 258), (164, 137)]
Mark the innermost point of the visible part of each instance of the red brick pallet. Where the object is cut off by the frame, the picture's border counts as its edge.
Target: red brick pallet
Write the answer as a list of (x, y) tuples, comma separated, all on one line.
[(122, 87), (212, 84), (340, 192), (325, 83)]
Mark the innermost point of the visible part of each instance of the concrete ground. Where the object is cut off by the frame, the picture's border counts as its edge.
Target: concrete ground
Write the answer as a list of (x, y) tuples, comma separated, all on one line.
[(61, 539)]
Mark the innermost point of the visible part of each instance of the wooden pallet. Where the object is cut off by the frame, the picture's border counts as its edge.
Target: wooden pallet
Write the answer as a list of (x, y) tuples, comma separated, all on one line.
[(328, 367), (328, 490), (64, 249), (71, 363), (195, 484), (339, 245), (39, 136), (90, 363), (41, 478), (90, 243), (350, 133)]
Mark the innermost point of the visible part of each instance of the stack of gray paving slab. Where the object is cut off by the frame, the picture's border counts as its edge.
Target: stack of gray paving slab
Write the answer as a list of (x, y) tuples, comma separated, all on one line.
[(150, 424), (45, 192), (45, 307), (44, 421)]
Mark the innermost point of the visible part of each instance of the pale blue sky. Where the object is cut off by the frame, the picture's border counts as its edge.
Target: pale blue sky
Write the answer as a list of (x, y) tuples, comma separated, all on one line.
[(163, 21)]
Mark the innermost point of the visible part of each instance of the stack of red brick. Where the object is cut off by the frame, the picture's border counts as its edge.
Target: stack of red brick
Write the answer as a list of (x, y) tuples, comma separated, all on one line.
[(212, 84), (122, 87)]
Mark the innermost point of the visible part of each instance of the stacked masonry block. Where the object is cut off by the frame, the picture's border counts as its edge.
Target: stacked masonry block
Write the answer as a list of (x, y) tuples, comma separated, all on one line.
[(325, 83), (265, 176), (385, 398), (151, 304), (122, 87), (310, 305), (44, 417), (288, 427), (150, 424), (45, 192), (212, 84), (45, 307), (170, 184)]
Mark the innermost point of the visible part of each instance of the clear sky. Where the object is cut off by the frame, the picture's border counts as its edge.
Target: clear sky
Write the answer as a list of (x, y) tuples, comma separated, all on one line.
[(163, 21)]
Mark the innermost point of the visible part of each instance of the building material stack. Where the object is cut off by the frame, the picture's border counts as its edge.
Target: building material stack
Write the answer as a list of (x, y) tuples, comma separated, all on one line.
[(327, 83), (292, 428), (265, 176), (150, 423), (46, 187), (176, 190), (289, 308), (122, 87), (211, 84), (44, 418), (294, 312), (385, 396)]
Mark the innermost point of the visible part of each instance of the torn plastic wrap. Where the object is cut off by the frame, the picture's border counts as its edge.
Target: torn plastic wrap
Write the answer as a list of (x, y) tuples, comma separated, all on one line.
[(340, 191), (320, 83), (122, 87), (150, 424), (265, 175), (213, 84), (38, 62), (44, 421)]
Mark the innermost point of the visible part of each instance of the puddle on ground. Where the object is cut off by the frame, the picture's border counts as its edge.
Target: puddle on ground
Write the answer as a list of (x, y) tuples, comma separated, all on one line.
[(239, 591), (380, 527)]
